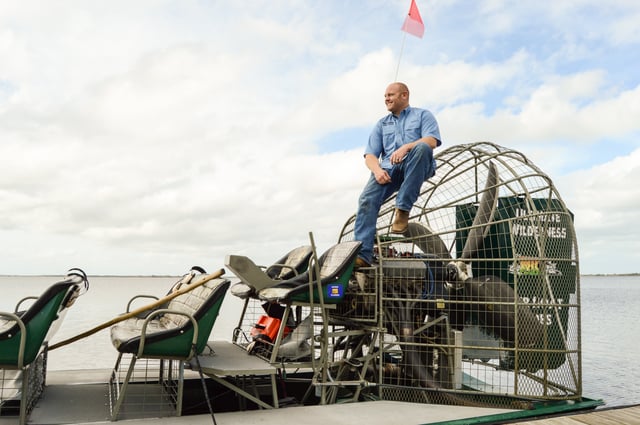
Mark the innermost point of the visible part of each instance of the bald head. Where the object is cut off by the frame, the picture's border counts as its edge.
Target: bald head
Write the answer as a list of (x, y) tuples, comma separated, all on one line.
[(396, 97)]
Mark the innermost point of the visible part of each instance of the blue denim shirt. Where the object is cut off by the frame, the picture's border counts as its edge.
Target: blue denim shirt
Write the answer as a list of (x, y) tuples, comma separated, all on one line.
[(391, 132)]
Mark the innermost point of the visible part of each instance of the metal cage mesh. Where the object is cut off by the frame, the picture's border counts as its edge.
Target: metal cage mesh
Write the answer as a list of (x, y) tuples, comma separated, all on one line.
[(12, 387), (153, 387), (475, 311)]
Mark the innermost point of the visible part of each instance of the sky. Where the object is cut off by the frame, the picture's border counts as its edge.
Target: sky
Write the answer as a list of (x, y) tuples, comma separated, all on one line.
[(141, 138)]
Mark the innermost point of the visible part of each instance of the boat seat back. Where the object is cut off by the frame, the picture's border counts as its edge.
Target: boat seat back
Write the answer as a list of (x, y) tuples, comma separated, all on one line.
[(170, 333), (337, 259), (335, 265), (293, 263), (40, 321), (193, 303), (253, 278)]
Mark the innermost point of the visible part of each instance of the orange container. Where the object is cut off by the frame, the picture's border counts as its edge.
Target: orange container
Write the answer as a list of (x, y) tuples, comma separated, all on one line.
[(267, 327)]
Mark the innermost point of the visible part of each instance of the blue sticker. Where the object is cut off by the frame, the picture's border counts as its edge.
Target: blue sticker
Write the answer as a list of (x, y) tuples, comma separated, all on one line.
[(334, 291)]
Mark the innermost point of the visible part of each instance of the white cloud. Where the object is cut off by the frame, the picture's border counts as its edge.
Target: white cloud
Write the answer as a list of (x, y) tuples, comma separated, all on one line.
[(139, 137), (576, 107), (604, 200)]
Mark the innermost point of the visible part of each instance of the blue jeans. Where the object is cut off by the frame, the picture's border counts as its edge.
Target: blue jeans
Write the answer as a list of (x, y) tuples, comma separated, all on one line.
[(406, 178)]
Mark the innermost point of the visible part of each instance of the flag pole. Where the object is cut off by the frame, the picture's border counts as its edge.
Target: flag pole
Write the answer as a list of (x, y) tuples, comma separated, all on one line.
[(413, 25), (404, 35)]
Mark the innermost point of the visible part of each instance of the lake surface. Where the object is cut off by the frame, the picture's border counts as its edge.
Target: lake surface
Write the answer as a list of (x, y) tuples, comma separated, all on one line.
[(610, 330)]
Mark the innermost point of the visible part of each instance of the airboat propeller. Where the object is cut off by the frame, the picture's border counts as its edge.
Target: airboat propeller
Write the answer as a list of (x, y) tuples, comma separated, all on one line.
[(493, 298)]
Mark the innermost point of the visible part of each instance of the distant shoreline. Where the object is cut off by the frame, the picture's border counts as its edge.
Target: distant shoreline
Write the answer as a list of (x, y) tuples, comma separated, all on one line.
[(95, 275), (178, 276)]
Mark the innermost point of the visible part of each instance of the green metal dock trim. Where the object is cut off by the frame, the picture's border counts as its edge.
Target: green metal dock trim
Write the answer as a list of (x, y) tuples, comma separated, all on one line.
[(546, 408)]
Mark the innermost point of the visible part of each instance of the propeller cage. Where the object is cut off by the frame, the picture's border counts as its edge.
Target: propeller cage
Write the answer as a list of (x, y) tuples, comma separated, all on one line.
[(494, 307)]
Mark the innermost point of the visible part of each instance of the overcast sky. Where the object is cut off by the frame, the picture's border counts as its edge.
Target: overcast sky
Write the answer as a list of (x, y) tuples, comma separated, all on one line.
[(143, 137)]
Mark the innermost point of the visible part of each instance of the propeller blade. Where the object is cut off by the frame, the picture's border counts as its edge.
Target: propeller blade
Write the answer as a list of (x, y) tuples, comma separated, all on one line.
[(484, 215), (424, 238)]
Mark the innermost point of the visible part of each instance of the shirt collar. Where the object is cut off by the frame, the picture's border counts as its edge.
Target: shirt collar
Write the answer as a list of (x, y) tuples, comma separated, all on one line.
[(405, 111)]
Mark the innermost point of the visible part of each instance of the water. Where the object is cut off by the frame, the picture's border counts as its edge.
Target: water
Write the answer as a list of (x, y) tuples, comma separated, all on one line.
[(609, 330), (610, 335)]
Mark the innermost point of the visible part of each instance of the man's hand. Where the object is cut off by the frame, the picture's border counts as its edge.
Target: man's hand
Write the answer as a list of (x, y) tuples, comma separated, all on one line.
[(400, 153), (382, 177)]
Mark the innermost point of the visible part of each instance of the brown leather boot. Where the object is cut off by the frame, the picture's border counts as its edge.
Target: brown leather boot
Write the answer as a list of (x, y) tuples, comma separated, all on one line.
[(401, 221), (361, 262)]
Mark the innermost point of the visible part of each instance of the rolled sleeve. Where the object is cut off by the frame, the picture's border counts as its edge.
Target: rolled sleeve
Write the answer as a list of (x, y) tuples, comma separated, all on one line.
[(430, 126)]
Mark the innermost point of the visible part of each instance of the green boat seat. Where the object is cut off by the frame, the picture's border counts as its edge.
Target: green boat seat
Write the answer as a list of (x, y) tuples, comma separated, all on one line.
[(25, 334), (35, 326), (253, 278), (336, 266), (169, 332), (173, 333)]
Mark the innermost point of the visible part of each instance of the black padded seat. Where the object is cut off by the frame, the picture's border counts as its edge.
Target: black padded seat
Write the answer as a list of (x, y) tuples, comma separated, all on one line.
[(336, 266), (254, 278)]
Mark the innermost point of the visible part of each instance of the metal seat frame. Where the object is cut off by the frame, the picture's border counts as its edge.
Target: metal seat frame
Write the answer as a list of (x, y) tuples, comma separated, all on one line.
[(167, 344), (24, 345)]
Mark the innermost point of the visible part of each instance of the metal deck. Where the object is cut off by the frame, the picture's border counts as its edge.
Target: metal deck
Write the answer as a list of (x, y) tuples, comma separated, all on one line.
[(227, 359), (80, 397), (88, 406)]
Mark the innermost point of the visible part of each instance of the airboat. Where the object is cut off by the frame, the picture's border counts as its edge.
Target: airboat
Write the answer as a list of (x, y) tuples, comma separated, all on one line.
[(472, 313)]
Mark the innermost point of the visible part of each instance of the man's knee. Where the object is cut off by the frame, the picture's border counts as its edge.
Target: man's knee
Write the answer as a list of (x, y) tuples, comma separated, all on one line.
[(367, 200), (363, 202), (422, 150)]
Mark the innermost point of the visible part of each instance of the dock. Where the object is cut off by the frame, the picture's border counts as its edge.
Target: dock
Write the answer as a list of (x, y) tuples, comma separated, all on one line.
[(80, 397), (374, 412), (627, 415)]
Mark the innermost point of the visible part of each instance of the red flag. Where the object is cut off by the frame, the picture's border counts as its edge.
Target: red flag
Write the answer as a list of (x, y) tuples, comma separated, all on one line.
[(413, 22)]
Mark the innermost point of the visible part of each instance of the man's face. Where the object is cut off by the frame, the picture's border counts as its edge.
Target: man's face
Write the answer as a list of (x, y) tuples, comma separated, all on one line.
[(395, 99)]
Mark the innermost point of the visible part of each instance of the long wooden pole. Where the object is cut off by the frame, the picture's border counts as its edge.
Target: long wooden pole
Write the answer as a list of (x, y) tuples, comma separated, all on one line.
[(203, 279)]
